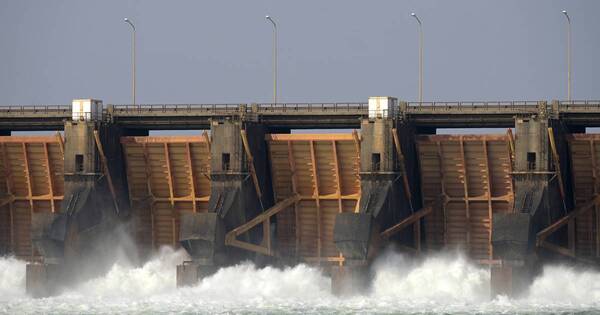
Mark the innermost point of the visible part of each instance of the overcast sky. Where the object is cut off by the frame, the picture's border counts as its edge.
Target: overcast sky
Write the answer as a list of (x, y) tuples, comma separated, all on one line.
[(220, 51)]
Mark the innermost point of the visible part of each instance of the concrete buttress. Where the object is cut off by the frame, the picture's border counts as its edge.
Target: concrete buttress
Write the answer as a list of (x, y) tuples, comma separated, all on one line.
[(240, 190), (383, 203), (77, 242), (537, 203)]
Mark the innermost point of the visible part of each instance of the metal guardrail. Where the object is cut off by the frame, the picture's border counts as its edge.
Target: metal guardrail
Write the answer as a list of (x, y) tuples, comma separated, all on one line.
[(349, 108), (579, 106), (311, 107), (491, 107), (246, 110), (35, 109), (261, 108), (217, 108)]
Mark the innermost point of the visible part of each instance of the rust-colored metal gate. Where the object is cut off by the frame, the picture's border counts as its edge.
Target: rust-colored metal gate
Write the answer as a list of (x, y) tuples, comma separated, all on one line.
[(585, 164), (472, 175), (165, 175), (31, 168), (323, 170)]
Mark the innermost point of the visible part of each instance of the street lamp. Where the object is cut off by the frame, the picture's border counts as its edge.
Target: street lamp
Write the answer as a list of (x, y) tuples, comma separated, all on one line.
[(274, 58), (128, 21), (568, 54), (420, 56)]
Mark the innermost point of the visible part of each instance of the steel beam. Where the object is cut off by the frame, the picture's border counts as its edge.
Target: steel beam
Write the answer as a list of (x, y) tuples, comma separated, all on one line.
[(316, 194), (297, 226), (106, 170), (188, 156), (489, 194), (264, 218), (410, 220), (171, 191)]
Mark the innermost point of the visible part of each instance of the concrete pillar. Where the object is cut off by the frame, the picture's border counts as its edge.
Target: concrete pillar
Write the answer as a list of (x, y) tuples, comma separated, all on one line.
[(537, 204), (80, 241), (233, 202), (356, 235)]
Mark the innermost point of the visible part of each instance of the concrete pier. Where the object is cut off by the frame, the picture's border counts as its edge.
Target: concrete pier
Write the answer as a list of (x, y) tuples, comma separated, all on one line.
[(78, 241), (387, 211), (240, 190), (540, 199)]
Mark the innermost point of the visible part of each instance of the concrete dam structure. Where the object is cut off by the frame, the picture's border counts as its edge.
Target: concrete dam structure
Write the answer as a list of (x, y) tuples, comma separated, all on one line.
[(245, 187)]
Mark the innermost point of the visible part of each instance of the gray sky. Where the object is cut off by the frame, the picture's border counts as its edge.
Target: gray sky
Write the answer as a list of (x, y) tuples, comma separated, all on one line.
[(220, 51)]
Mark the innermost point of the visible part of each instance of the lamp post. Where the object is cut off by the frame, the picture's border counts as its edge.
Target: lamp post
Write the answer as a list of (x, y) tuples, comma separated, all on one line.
[(420, 56), (274, 58), (128, 21), (568, 54)]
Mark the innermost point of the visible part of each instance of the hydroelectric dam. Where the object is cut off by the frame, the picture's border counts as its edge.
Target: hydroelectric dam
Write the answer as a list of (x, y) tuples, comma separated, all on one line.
[(246, 188)]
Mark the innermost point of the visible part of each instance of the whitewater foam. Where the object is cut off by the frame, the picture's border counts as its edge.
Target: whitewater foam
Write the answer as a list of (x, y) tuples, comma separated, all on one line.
[(566, 287), (441, 278), (12, 278), (124, 280), (444, 283)]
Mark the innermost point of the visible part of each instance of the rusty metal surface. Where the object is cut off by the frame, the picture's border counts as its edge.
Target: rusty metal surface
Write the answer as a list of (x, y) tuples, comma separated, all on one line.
[(165, 175), (585, 163), (323, 170), (31, 172), (472, 175)]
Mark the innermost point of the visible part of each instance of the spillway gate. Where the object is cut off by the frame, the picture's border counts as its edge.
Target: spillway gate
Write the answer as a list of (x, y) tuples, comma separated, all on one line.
[(248, 188)]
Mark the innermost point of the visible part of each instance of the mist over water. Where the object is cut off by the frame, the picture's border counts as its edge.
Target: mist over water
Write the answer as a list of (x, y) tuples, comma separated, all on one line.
[(444, 279), (440, 284), (12, 279)]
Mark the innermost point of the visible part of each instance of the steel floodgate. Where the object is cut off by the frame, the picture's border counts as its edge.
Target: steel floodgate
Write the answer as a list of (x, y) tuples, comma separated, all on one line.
[(314, 157), (250, 190)]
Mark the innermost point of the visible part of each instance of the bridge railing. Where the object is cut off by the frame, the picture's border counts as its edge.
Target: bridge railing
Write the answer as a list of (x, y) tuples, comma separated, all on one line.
[(16, 110), (579, 106), (312, 107), (345, 108), (175, 108), (467, 107)]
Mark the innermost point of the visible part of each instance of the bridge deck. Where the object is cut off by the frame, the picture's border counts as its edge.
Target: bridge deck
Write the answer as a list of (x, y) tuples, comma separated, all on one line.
[(306, 115), (32, 172), (472, 174), (323, 170)]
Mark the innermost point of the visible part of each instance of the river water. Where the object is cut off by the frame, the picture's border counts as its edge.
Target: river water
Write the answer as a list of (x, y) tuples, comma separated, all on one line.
[(443, 284)]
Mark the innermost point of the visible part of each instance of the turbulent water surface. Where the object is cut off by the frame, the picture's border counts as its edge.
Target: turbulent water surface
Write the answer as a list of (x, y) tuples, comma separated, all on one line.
[(438, 285)]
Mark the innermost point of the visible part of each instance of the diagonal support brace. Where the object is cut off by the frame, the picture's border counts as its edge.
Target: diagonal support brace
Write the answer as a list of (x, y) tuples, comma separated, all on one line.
[(106, 171), (264, 218), (413, 218)]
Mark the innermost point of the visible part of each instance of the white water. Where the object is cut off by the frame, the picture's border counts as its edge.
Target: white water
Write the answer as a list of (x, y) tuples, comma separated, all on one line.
[(439, 284)]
